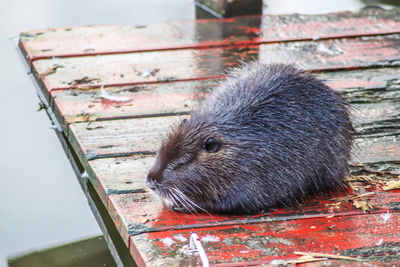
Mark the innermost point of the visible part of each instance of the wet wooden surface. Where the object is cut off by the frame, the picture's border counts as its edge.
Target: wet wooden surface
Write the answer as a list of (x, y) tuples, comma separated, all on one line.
[(207, 63), (95, 40), (163, 71)]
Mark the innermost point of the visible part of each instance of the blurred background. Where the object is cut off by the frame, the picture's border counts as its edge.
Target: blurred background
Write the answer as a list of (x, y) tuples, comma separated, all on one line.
[(41, 202)]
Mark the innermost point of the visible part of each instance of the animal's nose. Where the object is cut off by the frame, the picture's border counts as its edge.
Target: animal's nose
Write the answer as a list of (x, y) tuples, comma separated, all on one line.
[(153, 177), (151, 184)]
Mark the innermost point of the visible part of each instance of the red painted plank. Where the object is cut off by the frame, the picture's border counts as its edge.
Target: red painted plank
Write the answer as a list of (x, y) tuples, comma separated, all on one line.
[(95, 40), (101, 139), (143, 212), (368, 237), (137, 136), (359, 87), (130, 69), (119, 175), (73, 106)]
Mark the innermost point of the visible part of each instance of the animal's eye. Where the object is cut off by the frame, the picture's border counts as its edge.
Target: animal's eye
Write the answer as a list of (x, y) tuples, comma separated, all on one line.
[(211, 144)]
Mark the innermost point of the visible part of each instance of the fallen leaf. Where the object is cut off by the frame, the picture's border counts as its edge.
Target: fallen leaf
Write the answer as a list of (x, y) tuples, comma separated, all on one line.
[(362, 204), (392, 185), (50, 70), (83, 80)]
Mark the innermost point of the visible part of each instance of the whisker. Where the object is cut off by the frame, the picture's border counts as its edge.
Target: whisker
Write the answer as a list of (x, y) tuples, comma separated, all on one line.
[(190, 202), (170, 196), (180, 200)]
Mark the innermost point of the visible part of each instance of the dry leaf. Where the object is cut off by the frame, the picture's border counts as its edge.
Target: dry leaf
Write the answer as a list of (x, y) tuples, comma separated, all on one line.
[(392, 185), (84, 80), (362, 204), (50, 70), (81, 118)]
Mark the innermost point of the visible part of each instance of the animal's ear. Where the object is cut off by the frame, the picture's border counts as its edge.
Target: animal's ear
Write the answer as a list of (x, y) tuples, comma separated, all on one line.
[(183, 122)]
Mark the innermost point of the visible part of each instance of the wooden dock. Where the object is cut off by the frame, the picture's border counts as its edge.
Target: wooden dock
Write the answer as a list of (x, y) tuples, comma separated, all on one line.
[(154, 75)]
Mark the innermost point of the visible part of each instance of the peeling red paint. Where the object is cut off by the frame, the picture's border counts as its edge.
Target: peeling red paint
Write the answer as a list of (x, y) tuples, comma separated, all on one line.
[(261, 243), (185, 65), (97, 40)]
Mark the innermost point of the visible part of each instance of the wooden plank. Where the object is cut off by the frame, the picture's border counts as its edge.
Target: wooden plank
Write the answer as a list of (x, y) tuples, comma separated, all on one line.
[(119, 175), (135, 68), (385, 148), (72, 106), (118, 137), (139, 213), (144, 135), (367, 236), (95, 40), (123, 175), (361, 88)]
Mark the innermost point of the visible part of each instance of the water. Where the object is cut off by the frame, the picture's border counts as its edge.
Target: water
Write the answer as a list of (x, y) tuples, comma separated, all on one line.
[(42, 204)]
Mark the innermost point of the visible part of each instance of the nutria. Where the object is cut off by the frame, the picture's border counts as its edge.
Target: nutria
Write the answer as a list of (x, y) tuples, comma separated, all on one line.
[(267, 137)]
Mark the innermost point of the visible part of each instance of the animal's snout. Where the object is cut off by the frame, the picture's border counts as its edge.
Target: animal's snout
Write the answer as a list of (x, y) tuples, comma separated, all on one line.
[(153, 179), (151, 184)]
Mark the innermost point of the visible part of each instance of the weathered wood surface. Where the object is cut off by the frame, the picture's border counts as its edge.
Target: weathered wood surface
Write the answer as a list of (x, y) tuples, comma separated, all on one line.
[(76, 105), (138, 68), (143, 135), (119, 175), (135, 210), (367, 236), (360, 88), (95, 40), (116, 141), (142, 212), (124, 175)]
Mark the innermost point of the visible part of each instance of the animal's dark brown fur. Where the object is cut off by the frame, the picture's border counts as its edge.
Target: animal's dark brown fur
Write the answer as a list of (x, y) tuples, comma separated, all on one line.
[(268, 136)]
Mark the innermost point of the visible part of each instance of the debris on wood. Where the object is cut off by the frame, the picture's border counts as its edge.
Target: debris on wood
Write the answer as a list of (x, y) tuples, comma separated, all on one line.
[(50, 70), (93, 128), (167, 79), (305, 259), (386, 216), (359, 201), (391, 185), (104, 94), (42, 106), (362, 204), (325, 255), (83, 80), (81, 117), (86, 88), (147, 73), (88, 48)]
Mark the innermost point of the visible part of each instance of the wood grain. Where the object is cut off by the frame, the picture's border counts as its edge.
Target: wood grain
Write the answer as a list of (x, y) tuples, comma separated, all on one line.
[(95, 40), (128, 69), (361, 88), (365, 237), (139, 213)]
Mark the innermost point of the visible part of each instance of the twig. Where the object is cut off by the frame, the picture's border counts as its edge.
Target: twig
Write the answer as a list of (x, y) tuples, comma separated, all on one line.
[(305, 260), (330, 256)]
